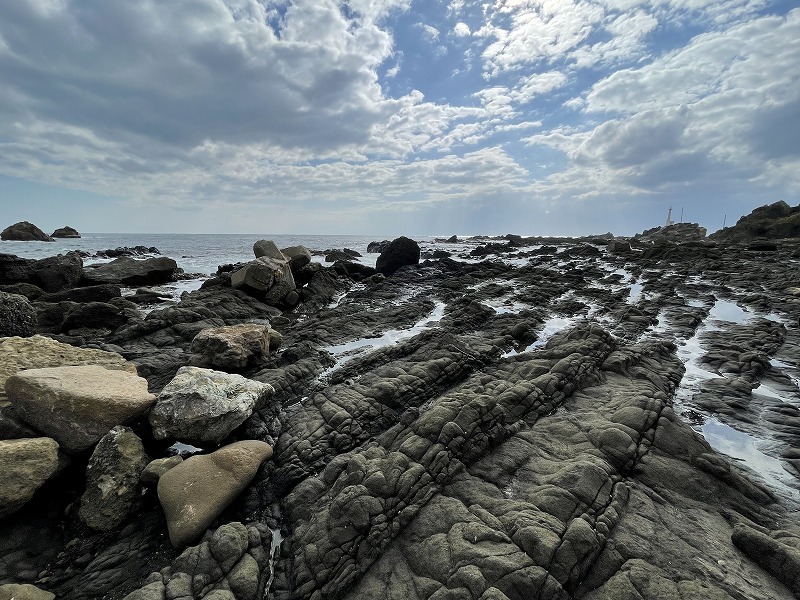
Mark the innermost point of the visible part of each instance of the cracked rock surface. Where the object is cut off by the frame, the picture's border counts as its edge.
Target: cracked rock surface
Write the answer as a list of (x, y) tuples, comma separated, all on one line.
[(524, 419)]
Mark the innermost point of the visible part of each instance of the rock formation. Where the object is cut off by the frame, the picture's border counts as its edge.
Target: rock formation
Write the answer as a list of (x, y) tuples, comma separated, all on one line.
[(65, 232), (547, 423), (24, 232), (774, 221)]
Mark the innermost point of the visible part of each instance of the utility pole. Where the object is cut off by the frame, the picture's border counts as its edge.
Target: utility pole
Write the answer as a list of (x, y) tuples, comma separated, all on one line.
[(681, 214), (724, 220)]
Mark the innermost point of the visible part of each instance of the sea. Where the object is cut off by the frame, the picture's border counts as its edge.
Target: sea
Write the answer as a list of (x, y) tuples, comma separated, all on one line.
[(196, 253)]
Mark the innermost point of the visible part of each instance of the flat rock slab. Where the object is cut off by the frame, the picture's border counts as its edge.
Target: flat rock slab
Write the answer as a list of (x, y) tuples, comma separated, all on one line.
[(36, 352), (24, 466), (196, 491), (131, 271), (77, 405)]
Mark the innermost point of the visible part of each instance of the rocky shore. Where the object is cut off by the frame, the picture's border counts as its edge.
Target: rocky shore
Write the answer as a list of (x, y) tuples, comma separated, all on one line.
[(484, 419)]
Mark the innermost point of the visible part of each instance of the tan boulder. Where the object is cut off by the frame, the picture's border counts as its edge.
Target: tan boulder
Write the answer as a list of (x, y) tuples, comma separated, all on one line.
[(37, 352), (25, 464), (231, 346), (77, 405), (24, 591), (196, 491)]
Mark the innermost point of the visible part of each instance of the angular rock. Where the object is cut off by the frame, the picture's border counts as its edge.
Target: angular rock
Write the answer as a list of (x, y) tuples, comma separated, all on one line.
[(203, 407), (258, 274), (17, 316), (77, 405), (65, 232), (24, 232), (113, 489), (232, 347), (58, 273), (268, 249), (24, 591), (399, 253), (195, 492), (36, 352), (298, 256), (14, 269), (25, 465), (131, 271)]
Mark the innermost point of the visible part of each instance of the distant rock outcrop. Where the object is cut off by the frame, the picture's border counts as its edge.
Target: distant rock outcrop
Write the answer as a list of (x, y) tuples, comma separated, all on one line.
[(676, 233), (772, 221), (24, 232), (66, 232)]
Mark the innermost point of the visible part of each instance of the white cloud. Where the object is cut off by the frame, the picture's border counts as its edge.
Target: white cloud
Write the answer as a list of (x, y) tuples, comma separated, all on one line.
[(724, 109), (461, 29), (429, 32)]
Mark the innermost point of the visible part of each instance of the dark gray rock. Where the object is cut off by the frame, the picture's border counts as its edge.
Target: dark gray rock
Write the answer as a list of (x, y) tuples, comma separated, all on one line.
[(58, 273), (65, 232), (113, 490), (17, 316), (24, 232), (399, 253), (129, 271), (93, 315), (377, 247)]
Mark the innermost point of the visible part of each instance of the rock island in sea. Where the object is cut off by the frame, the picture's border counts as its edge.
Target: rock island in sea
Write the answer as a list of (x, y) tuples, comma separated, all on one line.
[(482, 418)]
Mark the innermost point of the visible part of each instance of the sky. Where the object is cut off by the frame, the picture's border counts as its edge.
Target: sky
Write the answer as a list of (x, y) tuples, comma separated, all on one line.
[(390, 117)]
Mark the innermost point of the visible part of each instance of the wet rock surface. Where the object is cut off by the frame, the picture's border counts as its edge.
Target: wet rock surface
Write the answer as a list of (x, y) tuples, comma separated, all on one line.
[(541, 419)]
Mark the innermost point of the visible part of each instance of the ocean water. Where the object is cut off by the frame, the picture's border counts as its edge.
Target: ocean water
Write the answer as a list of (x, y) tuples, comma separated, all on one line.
[(195, 253)]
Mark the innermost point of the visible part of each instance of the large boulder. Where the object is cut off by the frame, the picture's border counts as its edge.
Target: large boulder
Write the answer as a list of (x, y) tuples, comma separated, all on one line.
[(203, 407), (77, 405), (25, 465), (113, 490), (24, 232), (400, 252), (299, 257), (65, 232), (130, 271), (17, 316), (268, 249), (269, 279), (196, 491), (232, 347), (36, 352), (57, 273)]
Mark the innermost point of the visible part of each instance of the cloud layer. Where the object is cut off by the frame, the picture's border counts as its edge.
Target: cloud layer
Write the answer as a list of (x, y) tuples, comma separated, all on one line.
[(372, 108)]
